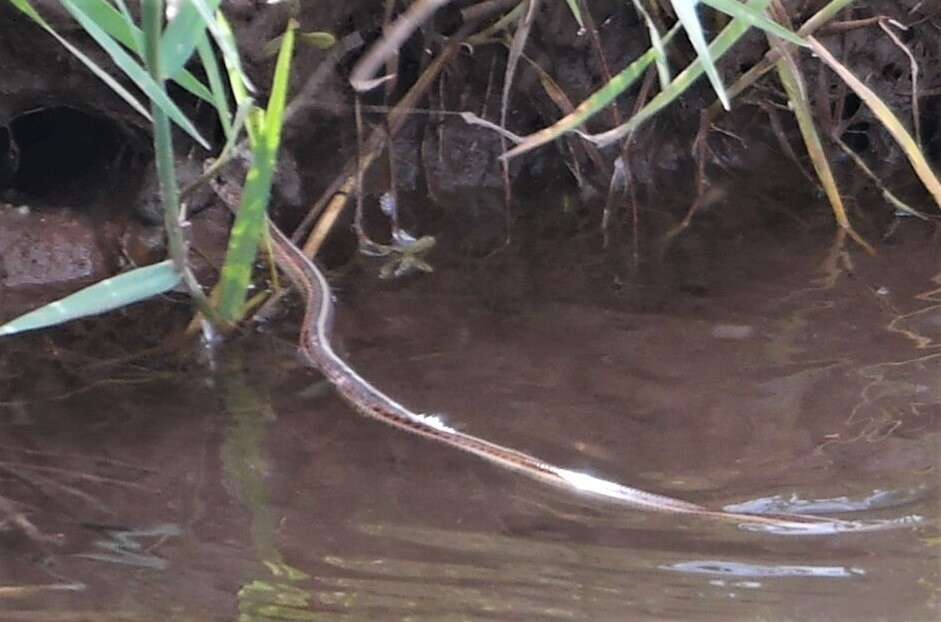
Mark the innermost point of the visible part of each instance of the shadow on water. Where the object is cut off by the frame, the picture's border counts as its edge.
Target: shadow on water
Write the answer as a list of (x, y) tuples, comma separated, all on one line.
[(244, 489)]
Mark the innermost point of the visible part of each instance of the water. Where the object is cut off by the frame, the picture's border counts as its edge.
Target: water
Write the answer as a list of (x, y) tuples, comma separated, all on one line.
[(240, 487)]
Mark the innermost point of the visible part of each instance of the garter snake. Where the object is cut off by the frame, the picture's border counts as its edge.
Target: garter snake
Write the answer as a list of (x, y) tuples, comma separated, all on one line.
[(315, 347)]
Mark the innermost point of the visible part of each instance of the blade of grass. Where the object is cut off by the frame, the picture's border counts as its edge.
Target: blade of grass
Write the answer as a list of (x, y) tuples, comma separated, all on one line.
[(117, 24), (226, 154), (719, 46), (118, 291), (793, 82), (601, 98), (816, 21), (25, 7), (220, 96), (251, 220), (899, 205), (500, 25), (134, 71), (222, 34), (686, 12), (576, 13), (594, 104), (755, 18), (886, 117), (121, 26), (656, 41), (318, 40), (237, 83), (181, 36)]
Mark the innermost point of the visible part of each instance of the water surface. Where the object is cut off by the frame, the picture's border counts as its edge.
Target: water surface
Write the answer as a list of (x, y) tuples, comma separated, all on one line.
[(238, 486)]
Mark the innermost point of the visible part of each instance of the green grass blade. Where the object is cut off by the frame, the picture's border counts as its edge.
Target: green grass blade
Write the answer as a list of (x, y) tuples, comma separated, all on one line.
[(181, 36), (220, 96), (576, 12), (686, 13), (594, 104), (237, 82), (118, 291), (814, 23), (124, 11), (222, 34), (189, 82), (663, 67), (251, 220), (757, 19), (274, 114), (133, 70), (121, 26), (112, 21), (25, 7), (719, 46)]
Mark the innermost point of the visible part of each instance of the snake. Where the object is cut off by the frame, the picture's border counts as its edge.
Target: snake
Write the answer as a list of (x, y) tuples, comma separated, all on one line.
[(316, 349)]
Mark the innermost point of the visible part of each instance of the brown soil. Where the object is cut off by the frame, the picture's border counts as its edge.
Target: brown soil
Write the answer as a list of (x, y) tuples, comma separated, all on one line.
[(78, 157)]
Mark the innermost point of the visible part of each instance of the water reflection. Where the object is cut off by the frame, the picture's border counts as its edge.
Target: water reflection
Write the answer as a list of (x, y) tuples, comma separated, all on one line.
[(738, 569), (174, 492), (130, 547)]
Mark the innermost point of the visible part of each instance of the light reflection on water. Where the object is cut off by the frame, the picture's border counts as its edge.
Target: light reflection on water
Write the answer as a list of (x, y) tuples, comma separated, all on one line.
[(193, 495)]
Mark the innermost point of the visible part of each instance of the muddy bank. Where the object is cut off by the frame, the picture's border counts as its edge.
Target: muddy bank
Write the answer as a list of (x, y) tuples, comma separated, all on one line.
[(77, 156)]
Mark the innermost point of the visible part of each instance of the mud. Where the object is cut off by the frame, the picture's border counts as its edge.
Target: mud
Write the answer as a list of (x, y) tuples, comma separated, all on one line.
[(93, 152)]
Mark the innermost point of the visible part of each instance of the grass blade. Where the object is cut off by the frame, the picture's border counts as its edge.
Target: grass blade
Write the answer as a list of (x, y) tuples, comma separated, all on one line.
[(112, 21), (686, 13), (363, 76), (594, 104), (222, 34), (663, 66), (251, 220), (133, 70), (886, 117), (816, 21), (237, 82), (576, 13), (791, 78), (719, 46), (220, 96), (119, 25), (25, 7), (118, 291), (755, 18), (181, 36)]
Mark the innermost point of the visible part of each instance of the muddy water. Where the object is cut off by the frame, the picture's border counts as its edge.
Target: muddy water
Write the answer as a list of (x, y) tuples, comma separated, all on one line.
[(807, 377)]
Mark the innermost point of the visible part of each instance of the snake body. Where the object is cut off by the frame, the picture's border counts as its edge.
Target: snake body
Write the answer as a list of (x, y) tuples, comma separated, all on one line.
[(315, 347)]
